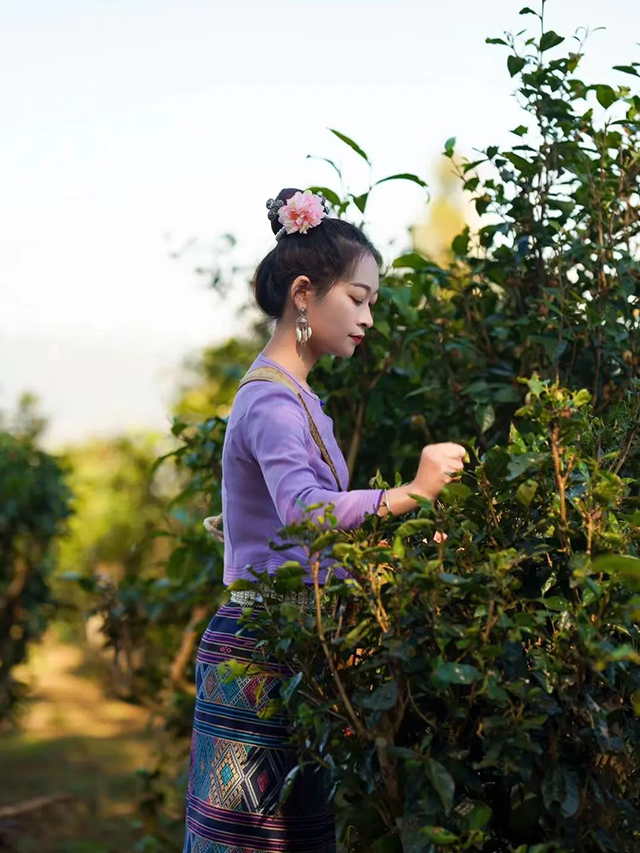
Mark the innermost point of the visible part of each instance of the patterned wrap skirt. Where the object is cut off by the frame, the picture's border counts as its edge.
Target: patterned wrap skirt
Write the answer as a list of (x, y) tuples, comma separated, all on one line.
[(239, 761)]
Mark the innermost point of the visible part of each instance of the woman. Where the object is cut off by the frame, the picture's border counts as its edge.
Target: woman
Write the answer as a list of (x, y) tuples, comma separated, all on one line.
[(319, 283)]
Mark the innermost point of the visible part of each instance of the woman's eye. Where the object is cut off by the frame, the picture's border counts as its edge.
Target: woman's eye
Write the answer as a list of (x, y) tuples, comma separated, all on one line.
[(357, 301)]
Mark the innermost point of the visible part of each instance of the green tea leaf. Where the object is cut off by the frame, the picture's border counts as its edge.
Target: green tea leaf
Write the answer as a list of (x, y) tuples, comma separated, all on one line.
[(560, 785), (442, 781), (550, 39), (415, 525), (519, 463), (241, 583), (556, 602), (605, 95), (457, 673), (624, 565), (290, 686), (360, 201), (324, 541), (627, 69), (526, 492), (350, 143), (515, 64), (439, 835), (290, 612), (485, 416), (453, 580), (460, 243), (411, 259), (398, 547), (332, 197), (383, 698), (404, 176), (581, 398)]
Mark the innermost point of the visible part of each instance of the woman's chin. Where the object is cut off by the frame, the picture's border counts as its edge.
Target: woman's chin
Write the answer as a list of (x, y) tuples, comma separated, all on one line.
[(340, 350), (349, 349)]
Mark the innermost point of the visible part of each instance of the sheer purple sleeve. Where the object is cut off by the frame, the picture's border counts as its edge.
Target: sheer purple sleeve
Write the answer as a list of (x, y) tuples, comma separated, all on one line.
[(276, 427)]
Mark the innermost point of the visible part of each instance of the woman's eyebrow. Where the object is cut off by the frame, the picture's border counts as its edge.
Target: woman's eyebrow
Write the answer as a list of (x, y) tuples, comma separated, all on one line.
[(361, 284)]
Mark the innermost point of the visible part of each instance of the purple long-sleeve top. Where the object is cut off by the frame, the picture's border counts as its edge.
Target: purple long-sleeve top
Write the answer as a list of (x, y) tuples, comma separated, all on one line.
[(270, 461)]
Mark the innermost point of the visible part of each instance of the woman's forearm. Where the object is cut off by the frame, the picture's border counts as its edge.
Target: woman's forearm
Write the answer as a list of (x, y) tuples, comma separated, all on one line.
[(399, 500)]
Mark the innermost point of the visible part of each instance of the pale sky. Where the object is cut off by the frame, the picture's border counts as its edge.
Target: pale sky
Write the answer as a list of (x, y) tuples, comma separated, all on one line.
[(129, 128)]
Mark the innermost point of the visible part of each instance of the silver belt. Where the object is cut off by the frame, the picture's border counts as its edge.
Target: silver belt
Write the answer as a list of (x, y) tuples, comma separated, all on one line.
[(305, 599)]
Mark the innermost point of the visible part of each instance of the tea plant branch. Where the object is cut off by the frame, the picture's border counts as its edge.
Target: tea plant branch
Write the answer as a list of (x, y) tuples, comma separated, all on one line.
[(184, 653), (415, 707), (625, 452), (380, 613), (561, 481), (491, 621), (483, 485), (355, 720), (356, 440), (634, 420)]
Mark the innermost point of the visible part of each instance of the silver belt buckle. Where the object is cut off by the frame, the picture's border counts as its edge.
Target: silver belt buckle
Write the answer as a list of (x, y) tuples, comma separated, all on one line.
[(245, 596), (303, 599)]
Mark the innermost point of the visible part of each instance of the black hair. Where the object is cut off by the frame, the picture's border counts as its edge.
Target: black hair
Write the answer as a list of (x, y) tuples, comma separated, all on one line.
[(328, 253)]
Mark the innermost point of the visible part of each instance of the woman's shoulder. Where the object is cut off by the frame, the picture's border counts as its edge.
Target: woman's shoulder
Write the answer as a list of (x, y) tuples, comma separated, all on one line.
[(260, 389), (266, 413), (264, 397)]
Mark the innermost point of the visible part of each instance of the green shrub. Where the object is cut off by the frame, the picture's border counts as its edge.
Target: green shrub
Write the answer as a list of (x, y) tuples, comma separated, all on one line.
[(34, 500), (494, 698)]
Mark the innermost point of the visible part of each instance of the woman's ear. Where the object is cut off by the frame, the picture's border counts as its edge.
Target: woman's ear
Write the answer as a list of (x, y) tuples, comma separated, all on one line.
[(300, 292)]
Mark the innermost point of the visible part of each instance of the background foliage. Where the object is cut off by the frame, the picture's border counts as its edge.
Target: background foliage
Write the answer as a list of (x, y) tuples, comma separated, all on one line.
[(34, 501)]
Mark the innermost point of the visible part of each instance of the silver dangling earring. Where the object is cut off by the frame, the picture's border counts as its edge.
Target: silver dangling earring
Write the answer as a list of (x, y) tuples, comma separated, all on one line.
[(303, 329)]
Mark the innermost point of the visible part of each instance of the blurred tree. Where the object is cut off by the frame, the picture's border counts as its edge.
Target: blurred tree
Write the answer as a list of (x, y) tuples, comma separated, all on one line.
[(34, 502), (118, 504), (25, 422)]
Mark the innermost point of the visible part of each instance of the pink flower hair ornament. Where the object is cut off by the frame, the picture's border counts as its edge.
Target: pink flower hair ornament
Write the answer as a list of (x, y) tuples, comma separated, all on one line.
[(302, 211)]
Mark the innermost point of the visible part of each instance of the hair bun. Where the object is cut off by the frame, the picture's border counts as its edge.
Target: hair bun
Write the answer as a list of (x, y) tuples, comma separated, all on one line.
[(284, 196)]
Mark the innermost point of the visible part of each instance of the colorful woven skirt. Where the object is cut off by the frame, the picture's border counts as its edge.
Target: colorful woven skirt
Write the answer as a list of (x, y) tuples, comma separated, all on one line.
[(240, 761)]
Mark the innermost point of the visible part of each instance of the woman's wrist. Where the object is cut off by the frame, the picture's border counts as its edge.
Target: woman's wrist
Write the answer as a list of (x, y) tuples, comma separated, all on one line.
[(397, 501)]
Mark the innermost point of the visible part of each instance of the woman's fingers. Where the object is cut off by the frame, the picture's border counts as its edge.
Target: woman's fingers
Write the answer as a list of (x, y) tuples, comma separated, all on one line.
[(452, 468), (451, 448)]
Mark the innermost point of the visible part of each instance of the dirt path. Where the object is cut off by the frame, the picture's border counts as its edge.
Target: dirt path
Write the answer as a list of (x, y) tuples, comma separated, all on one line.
[(76, 740), (67, 703)]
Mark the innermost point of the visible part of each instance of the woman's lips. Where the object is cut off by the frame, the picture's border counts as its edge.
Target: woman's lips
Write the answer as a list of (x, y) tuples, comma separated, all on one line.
[(356, 338)]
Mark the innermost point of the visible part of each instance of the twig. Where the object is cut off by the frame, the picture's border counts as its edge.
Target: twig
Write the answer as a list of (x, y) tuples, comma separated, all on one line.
[(27, 806), (362, 732), (561, 483), (185, 651)]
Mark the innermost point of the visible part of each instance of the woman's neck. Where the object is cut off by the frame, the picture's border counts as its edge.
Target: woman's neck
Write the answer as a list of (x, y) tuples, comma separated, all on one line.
[(297, 358)]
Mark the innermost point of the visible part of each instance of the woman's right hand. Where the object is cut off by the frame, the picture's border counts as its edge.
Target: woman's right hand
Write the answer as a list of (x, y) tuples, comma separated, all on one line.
[(437, 463)]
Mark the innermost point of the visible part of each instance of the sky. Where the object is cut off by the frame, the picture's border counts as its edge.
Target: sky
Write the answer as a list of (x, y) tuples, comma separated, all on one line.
[(130, 129)]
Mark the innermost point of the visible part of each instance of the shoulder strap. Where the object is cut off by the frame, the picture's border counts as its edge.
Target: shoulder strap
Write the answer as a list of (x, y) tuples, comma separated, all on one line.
[(272, 374)]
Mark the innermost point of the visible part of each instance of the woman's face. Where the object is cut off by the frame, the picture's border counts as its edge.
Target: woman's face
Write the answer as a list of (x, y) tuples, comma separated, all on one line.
[(345, 312)]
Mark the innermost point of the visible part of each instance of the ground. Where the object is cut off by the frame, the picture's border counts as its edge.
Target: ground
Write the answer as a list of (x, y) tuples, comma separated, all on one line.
[(73, 739)]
